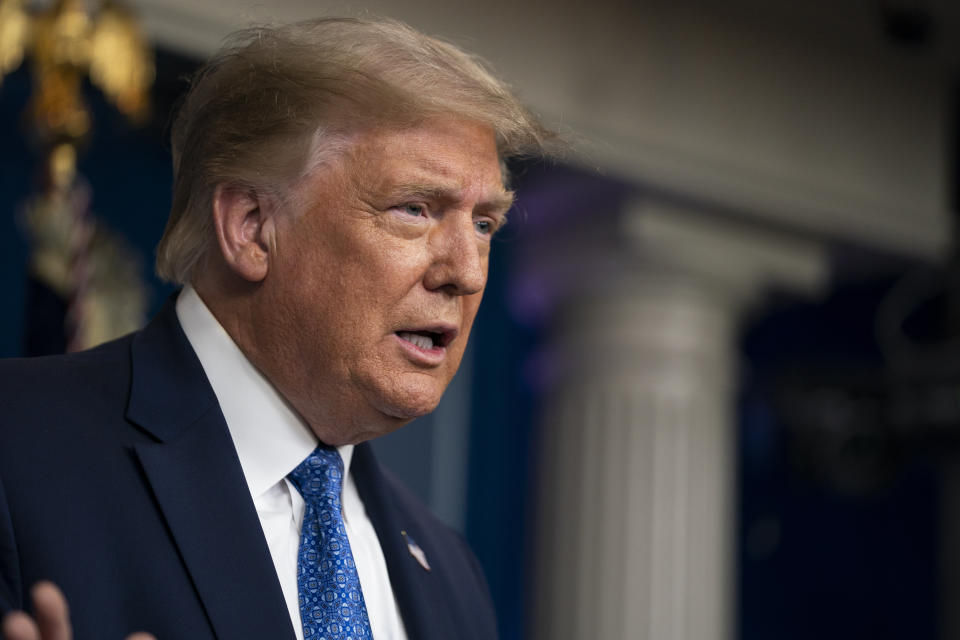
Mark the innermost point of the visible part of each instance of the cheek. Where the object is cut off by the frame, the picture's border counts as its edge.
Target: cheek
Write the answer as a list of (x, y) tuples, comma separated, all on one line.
[(470, 307)]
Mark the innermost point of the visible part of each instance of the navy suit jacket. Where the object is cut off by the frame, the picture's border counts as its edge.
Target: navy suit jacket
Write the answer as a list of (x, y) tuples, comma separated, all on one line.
[(120, 483)]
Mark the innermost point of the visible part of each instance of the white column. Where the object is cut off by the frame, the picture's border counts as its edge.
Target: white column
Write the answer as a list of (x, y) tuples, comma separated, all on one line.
[(637, 513)]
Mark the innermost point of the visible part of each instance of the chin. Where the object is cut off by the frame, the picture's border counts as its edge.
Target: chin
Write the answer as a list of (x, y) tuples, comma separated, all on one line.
[(408, 404), (409, 409), (402, 398)]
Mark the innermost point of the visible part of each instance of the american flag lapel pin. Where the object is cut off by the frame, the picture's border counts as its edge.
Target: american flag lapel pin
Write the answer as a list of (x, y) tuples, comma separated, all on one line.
[(416, 551)]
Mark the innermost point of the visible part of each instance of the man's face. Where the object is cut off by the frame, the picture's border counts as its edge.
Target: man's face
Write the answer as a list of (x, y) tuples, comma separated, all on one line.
[(373, 287)]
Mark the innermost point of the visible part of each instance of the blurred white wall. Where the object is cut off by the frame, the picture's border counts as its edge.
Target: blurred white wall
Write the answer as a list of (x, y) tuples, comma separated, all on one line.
[(804, 117)]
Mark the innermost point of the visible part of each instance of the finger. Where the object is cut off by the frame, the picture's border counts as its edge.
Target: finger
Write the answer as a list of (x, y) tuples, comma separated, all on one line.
[(50, 608), (19, 626)]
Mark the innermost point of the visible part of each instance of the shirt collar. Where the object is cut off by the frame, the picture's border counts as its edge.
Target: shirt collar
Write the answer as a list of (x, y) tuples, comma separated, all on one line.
[(270, 438)]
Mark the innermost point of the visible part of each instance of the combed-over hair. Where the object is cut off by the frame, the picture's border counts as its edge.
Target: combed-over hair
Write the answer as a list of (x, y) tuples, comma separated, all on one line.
[(270, 106)]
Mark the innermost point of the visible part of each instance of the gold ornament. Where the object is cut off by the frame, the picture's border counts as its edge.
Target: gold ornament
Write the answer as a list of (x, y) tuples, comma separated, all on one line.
[(72, 253), (64, 45), (14, 35), (119, 62)]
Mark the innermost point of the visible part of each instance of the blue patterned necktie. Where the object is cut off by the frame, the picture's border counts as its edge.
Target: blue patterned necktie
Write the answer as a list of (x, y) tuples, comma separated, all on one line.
[(331, 602)]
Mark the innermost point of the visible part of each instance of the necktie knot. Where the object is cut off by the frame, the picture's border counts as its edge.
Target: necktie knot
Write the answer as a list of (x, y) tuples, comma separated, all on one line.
[(320, 475)]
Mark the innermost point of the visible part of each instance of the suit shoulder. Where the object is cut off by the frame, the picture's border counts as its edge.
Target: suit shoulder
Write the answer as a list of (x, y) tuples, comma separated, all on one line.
[(62, 387), (64, 366)]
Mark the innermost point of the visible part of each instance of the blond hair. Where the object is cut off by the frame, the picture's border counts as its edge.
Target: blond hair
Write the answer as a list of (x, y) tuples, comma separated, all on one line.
[(276, 101)]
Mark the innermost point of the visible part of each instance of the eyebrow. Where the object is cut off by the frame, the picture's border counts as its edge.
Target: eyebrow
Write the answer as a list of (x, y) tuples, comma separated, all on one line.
[(502, 202), (499, 202)]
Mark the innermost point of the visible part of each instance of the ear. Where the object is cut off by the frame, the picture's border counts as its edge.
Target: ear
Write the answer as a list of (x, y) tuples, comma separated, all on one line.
[(241, 221)]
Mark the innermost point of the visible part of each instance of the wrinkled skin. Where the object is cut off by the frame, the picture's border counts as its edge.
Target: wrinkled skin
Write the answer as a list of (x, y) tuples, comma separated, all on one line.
[(393, 235)]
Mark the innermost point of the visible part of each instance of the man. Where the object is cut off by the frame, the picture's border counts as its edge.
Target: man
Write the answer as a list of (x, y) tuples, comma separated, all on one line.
[(337, 184)]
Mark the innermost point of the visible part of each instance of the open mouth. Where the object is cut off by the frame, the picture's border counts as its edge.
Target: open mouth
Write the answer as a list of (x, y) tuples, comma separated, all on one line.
[(427, 340)]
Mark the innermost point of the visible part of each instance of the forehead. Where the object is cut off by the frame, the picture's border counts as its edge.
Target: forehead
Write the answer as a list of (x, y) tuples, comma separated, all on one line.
[(446, 154)]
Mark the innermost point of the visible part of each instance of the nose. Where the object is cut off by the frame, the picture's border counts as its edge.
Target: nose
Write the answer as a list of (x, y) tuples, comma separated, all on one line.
[(458, 258)]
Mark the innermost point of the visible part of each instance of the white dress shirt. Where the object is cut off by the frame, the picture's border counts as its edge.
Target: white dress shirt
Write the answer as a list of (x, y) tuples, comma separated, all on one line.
[(271, 440)]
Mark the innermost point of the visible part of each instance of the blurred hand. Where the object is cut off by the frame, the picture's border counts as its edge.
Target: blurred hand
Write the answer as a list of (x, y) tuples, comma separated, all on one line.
[(53, 618)]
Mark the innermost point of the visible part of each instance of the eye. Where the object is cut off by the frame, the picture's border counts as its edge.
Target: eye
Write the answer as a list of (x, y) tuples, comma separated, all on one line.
[(483, 227), (415, 210)]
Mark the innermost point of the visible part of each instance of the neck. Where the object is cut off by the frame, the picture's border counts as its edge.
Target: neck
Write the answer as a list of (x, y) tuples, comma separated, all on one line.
[(335, 415)]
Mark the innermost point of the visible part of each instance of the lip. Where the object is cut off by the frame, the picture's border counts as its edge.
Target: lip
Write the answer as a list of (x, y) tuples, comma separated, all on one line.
[(427, 357)]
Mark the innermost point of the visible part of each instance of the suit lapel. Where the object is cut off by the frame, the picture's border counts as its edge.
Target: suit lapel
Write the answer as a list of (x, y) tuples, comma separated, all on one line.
[(199, 485), (417, 591)]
